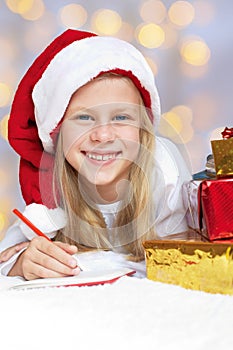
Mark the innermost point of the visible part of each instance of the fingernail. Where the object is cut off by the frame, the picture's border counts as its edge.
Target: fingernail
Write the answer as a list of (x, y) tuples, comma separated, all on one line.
[(76, 271), (73, 263)]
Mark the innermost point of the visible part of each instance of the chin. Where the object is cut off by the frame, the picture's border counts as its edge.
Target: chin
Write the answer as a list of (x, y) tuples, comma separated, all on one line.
[(102, 181)]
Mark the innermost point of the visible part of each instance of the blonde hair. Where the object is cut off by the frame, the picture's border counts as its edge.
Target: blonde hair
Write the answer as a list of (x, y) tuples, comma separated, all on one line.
[(135, 220)]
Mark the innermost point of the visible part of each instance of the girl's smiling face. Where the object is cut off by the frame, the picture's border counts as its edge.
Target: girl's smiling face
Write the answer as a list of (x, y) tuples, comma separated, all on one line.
[(100, 131)]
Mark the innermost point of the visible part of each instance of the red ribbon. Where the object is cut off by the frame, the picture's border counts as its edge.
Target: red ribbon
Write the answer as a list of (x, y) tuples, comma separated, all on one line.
[(227, 133)]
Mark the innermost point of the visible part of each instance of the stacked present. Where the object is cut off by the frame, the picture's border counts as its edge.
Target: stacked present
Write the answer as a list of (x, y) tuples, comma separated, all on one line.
[(192, 265), (216, 209), (223, 154), (216, 196)]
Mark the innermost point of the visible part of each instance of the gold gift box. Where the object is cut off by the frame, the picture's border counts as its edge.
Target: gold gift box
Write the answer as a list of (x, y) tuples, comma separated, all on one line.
[(223, 157), (193, 265)]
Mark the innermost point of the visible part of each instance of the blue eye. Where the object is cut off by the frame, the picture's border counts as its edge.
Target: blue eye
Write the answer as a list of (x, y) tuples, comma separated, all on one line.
[(83, 117), (121, 117)]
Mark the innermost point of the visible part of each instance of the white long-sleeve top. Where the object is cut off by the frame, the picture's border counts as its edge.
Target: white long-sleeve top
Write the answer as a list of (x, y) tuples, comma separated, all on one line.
[(171, 172)]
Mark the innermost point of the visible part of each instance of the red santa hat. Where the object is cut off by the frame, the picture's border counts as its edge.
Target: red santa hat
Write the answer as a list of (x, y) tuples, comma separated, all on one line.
[(73, 59)]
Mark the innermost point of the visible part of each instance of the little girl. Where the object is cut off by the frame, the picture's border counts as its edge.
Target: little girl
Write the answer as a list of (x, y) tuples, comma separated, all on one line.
[(92, 172)]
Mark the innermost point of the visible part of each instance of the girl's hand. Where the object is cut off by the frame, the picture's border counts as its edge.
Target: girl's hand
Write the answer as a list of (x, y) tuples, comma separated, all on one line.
[(43, 259), (9, 252)]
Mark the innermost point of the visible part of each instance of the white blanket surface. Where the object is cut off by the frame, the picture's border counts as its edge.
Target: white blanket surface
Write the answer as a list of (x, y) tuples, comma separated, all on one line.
[(131, 313)]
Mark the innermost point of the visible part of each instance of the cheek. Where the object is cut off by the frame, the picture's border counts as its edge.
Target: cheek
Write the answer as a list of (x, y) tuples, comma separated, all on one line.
[(130, 133), (72, 138), (74, 158), (132, 142)]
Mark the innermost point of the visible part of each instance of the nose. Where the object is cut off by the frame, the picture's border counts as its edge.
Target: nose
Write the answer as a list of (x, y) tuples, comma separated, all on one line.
[(103, 133)]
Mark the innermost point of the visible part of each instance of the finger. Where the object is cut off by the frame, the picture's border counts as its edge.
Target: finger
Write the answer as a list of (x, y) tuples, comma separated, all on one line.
[(4, 256), (20, 246), (32, 270), (9, 252), (69, 248), (37, 271), (54, 251), (54, 266), (41, 254)]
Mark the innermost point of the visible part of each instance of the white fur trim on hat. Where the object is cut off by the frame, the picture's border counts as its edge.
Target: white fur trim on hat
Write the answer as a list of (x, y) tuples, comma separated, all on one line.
[(47, 220), (77, 64)]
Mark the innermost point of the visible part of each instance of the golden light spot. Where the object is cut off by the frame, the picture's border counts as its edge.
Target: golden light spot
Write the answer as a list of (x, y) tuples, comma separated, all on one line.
[(73, 15), (24, 6), (186, 115), (13, 5), (195, 52), (4, 127), (184, 112), (170, 125), (3, 221), (106, 22), (150, 35), (181, 13), (28, 9), (153, 11), (34, 12), (5, 209), (176, 124), (5, 94)]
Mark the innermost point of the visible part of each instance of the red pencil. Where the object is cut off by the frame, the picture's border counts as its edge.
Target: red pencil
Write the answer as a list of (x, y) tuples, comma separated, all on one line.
[(30, 224)]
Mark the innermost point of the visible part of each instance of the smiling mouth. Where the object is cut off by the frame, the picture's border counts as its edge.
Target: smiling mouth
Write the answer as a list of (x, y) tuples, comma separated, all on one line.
[(102, 157)]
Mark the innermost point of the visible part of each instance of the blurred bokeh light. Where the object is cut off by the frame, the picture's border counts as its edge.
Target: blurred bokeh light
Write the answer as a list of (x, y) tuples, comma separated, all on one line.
[(195, 52), (153, 11), (4, 127), (181, 13), (176, 124), (5, 94), (29, 9), (73, 16), (106, 22), (150, 35)]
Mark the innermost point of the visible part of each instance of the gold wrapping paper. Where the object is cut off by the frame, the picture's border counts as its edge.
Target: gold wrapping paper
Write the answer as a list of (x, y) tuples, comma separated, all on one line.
[(193, 265), (223, 157)]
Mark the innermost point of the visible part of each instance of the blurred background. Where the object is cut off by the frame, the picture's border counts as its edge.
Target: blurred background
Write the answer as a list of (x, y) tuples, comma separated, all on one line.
[(188, 45)]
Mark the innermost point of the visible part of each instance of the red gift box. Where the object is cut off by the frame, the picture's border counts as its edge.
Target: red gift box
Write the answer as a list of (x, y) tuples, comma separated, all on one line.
[(215, 200)]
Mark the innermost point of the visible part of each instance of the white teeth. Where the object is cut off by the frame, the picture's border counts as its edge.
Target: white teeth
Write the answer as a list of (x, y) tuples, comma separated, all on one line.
[(107, 157), (100, 157)]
